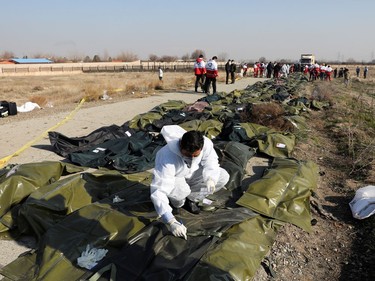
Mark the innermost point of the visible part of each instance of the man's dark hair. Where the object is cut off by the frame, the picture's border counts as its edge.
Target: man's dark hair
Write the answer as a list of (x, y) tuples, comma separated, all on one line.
[(192, 141), (214, 57)]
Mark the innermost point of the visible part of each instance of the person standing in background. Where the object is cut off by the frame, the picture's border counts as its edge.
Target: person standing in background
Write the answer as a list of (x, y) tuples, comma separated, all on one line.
[(227, 71), (276, 70), (160, 74), (269, 69), (328, 73), (262, 67), (233, 69), (283, 71), (357, 70), (346, 77), (341, 72), (211, 74), (244, 69), (200, 72), (365, 72), (256, 69)]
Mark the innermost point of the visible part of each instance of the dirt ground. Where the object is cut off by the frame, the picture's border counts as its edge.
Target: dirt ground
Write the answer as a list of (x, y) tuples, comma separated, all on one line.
[(337, 249)]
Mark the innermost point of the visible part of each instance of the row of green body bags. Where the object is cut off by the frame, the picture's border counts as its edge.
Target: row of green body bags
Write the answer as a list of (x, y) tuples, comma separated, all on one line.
[(284, 192), (76, 211), (17, 182), (231, 247), (80, 210)]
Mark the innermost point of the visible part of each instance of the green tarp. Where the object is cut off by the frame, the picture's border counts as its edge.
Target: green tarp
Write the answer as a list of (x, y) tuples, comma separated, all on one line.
[(143, 249), (50, 204), (20, 181), (284, 191), (270, 142), (210, 128), (239, 253)]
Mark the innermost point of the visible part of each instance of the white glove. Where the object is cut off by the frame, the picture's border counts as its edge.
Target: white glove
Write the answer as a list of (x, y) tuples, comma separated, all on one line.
[(177, 228), (90, 256), (210, 186)]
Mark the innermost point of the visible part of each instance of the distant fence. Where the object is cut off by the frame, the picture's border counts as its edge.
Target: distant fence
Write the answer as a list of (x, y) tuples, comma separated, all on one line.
[(69, 68), (25, 69)]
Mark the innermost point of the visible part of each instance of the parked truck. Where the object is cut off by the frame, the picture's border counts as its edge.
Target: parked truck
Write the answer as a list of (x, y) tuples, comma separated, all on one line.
[(307, 59)]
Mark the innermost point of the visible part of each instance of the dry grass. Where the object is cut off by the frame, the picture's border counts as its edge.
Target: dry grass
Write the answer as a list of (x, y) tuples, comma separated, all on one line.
[(351, 124), (65, 89), (323, 92)]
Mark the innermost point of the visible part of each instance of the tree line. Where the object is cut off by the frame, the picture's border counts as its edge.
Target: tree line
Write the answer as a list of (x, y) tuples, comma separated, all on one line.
[(130, 57), (122, 57)]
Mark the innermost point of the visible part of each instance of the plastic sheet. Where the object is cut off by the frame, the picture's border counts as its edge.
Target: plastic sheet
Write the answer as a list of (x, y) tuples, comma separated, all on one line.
[(363, 203)]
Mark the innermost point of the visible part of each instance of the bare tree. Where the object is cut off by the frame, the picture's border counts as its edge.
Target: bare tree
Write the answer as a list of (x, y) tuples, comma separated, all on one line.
[(222, 56), (127, 57), (196, 54), (168, 58), (7, 55), (153, 57), (96, 59), (58, 59), (262, 59), (87, 59), (185, 57)]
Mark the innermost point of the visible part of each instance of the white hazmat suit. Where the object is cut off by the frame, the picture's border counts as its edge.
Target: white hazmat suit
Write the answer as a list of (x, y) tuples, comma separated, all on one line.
[(176, 177)]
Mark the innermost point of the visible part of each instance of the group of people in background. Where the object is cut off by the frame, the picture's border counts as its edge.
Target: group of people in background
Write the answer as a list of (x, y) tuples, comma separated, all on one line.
[(259, 69), (316, 71), (230, 70), (205, 74), (272, 69), (269, 70), (324, 71), (358, 71)]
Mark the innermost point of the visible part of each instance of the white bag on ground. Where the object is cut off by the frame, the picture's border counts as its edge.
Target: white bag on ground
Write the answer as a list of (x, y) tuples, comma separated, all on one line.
[(28, 106), (363, 203)]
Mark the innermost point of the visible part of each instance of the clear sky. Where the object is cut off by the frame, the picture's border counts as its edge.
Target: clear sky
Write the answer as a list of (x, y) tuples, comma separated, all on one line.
[(240, 29)]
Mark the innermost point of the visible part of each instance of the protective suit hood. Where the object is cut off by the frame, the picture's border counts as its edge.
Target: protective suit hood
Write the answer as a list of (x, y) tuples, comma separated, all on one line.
[(172, 135)]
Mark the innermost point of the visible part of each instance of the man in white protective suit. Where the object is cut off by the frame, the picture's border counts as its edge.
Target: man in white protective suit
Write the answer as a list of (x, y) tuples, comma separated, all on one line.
[(186, 170)]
